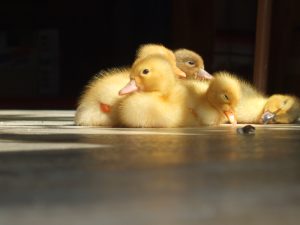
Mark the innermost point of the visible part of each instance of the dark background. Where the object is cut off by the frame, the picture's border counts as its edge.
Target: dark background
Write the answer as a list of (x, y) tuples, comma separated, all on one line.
[(50, 49)]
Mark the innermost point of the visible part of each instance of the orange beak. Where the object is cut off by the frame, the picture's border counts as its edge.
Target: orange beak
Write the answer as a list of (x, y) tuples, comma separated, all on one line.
[(231, 117)]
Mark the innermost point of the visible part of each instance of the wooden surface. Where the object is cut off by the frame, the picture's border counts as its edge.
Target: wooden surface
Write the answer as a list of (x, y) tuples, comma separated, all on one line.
[(52, 172)]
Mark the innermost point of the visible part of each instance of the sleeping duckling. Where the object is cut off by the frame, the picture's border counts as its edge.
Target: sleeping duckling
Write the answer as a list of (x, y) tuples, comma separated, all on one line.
[(213, 102), (281, 109), (192, 64), (100, 100), (224, 93), (155, 97), (250, 104)]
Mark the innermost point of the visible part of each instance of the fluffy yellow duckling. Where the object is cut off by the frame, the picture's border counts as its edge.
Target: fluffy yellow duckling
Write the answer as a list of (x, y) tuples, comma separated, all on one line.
[(281, 109), (156, 98), (214, 102), (224, 93), (192, 64), (99, 102), (251, 104)]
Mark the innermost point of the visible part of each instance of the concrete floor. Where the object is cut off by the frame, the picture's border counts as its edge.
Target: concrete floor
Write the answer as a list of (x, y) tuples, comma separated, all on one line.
[(52, 172)]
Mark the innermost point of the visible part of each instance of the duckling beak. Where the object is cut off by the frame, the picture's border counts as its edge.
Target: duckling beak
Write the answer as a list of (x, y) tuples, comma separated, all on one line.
[(231, 117), (267, 117), (130, 87), (203, 74)]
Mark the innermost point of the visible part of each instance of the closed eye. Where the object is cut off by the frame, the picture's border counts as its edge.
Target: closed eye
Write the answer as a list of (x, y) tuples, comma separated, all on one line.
[(226, 98)]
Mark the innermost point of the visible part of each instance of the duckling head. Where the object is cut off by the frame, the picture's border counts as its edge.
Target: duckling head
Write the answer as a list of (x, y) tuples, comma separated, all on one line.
[(281, 109), (153, 73), (224, 94), (158, 49), (192, 64)]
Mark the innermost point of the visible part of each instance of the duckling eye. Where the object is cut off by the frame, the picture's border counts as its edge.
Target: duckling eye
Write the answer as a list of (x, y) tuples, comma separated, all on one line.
[(226, 98), (145, 71), (190, 63)]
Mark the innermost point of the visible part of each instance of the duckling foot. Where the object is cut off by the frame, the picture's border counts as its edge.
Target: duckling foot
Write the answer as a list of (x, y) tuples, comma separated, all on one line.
[(105, 108)]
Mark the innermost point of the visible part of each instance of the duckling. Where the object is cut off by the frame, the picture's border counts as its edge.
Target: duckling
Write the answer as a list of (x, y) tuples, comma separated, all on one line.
[(214, 102), (192, 64), (154, 96), (281, 109), (224, 93), (100, 100)]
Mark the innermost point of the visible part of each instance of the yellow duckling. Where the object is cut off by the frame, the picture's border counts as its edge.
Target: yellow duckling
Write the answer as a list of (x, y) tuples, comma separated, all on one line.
[(214, 102), (156, 98), (224, 93), (281, 109), (100, 100)]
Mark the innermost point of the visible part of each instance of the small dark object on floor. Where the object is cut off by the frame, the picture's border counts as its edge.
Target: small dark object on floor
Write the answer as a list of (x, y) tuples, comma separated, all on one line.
[(248, 129)]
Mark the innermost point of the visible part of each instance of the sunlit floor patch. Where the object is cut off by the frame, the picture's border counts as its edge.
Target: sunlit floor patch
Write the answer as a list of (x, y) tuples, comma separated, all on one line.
[(23, 146)]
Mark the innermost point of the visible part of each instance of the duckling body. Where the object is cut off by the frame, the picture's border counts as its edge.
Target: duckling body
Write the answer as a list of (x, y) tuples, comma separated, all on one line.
[(285, 108), (159, 99), (213, 102), (202, 110), (99, 103), (251, 105), (155, 109)]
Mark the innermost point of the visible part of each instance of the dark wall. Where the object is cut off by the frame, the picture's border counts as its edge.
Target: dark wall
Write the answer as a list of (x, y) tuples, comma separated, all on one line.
[(49, 50), (89, 36), (284, 68)]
